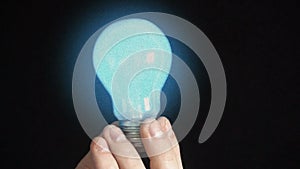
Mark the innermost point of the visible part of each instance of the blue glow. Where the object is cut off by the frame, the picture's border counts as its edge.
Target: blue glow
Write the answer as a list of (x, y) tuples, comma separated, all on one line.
[(133, 46)]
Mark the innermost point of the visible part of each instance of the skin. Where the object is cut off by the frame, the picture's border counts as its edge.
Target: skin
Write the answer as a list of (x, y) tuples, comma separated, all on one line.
[(111, 150)]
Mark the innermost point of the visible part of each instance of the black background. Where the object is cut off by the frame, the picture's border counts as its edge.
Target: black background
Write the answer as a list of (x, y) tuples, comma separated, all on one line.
[(257, 43)]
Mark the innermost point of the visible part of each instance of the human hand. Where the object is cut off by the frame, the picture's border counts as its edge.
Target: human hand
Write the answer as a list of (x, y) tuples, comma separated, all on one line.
[(111, 150)]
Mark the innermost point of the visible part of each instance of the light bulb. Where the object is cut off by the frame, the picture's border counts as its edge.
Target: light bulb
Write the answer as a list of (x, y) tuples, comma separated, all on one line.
[(132, 58)]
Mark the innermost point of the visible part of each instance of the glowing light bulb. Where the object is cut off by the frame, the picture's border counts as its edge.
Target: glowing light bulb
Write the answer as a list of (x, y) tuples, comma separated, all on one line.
[(132, 59)]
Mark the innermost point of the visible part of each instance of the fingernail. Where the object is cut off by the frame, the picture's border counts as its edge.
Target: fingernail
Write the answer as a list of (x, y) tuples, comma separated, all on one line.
[(165, 124), (101, 145), (155, 129), (116, 134)]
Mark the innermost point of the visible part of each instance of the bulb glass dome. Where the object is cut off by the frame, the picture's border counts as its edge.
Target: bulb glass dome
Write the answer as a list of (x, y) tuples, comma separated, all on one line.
[(132, 59)]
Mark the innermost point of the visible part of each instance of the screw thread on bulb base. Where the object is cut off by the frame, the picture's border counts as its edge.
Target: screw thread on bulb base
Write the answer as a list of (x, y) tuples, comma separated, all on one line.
[(131, 129)]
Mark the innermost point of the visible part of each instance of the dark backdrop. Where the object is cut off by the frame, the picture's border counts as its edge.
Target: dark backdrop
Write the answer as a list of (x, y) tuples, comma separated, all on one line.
[(257, 43)]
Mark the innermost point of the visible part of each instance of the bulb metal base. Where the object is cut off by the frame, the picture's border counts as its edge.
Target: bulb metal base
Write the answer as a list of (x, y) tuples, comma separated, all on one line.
[(131, 129)]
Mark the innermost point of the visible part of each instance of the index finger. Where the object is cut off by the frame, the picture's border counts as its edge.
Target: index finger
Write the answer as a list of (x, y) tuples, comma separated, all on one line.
[(161, 144)]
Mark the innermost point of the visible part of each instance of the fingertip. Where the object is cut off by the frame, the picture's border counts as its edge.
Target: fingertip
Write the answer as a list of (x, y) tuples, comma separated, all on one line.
[(159, 132), (144, 129), (107, 131), (165, 123), (117, 142), (101, 156), (120, 147), (99, 144), (155, 129)]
